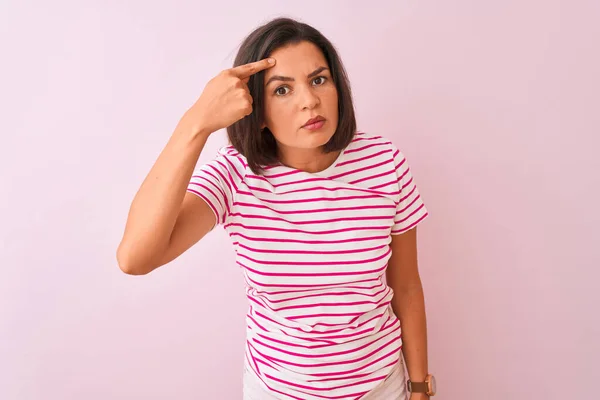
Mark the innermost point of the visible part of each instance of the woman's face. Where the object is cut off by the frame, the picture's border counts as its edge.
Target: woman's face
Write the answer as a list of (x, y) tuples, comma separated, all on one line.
[(297, 89)]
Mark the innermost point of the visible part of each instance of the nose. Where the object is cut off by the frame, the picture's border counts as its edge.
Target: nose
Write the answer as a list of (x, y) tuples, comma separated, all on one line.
[(309, 99)]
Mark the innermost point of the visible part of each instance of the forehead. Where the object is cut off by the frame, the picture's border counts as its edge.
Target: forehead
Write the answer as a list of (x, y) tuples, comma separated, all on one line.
[(298, 59)]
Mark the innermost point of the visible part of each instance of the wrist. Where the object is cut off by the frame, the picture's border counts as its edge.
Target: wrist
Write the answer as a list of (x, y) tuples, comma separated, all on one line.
[(426, 388), (193, 130)]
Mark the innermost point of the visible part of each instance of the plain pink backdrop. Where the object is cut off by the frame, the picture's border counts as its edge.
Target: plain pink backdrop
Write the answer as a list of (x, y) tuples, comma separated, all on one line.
[(496, 105)]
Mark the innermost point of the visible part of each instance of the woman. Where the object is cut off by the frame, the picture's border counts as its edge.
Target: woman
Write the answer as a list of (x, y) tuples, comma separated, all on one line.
[(317, 213)]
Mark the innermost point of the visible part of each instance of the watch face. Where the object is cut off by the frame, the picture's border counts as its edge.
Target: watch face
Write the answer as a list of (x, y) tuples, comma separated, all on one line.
[(432, 385)]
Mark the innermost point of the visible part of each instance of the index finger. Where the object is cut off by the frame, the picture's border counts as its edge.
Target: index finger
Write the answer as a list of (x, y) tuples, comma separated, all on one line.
[(245, 70)]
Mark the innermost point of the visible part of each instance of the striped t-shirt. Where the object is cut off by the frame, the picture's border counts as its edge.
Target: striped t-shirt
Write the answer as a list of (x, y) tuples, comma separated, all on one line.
[(313, 249)]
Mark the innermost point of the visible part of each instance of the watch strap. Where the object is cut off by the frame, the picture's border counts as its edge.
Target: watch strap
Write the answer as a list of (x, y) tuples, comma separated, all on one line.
[(418, 387)]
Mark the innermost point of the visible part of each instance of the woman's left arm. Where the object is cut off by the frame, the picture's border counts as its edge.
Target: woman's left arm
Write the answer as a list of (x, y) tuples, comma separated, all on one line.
[(402, 276)]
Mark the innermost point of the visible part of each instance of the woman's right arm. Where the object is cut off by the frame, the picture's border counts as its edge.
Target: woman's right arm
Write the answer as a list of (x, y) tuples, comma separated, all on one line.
[(164, 220), (150, 239)]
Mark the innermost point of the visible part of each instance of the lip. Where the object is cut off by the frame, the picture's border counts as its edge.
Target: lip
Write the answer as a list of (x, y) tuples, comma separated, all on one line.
[(311, 121)]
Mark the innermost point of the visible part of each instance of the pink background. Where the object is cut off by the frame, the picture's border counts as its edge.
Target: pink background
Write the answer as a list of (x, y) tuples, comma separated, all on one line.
[(496, 105)]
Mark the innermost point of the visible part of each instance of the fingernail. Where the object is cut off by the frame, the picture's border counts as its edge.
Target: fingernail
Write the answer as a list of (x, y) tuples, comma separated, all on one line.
[(271, 60)]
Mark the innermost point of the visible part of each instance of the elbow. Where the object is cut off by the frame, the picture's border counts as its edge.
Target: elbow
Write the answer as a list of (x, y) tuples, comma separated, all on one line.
[(127, 269), (127, 263)]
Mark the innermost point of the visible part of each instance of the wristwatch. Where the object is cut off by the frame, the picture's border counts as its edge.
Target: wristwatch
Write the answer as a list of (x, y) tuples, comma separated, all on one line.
[(428, 387)]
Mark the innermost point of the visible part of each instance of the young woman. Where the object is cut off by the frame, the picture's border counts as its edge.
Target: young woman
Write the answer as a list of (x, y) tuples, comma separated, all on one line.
[(318, 213)]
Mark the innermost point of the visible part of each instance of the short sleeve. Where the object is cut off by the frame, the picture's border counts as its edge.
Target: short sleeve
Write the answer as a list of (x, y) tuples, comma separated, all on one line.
[(410, 209), (214, 183)]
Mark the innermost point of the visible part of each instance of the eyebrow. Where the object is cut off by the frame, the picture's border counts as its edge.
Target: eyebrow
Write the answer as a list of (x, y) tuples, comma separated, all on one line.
[(288, 79)]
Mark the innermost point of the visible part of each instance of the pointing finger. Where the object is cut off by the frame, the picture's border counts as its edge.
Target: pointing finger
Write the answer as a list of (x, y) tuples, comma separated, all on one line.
[(246, 70)]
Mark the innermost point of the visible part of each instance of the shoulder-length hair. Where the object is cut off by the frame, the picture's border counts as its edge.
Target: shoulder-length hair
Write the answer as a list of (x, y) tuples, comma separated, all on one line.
[(259, 147)]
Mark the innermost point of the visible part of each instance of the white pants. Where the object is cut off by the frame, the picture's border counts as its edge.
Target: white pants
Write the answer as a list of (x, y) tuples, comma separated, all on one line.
[(393, 387)]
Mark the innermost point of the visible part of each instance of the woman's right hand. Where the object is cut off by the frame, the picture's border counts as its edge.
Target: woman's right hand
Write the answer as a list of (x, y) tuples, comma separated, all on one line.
[(225, 99)]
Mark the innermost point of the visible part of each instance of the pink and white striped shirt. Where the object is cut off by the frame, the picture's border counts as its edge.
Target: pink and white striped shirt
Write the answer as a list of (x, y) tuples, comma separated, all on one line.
[(313, 249)]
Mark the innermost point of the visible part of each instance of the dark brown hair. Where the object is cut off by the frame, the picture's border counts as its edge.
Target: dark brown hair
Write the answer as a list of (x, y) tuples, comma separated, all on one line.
[(259, 147)]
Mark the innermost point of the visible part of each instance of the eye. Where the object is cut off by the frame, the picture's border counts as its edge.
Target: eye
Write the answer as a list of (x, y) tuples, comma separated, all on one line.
[(280, 91), (319, 80)]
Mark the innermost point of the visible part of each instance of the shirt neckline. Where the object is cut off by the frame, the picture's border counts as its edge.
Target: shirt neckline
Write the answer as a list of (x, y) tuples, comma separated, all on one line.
[(322, 173)]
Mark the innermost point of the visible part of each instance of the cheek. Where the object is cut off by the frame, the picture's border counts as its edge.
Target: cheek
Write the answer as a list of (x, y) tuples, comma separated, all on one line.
[(269, 112), (277, 112), (331, 101), (330, 94)]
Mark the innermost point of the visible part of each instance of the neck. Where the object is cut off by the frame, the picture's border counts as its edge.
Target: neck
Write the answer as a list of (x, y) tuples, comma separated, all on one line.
[(308, 160)]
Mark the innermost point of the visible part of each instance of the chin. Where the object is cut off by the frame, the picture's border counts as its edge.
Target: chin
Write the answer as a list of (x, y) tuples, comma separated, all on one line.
[(318, 139)]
